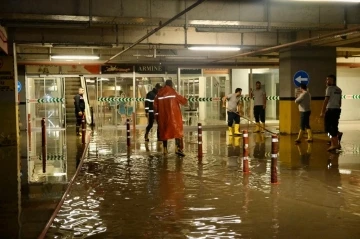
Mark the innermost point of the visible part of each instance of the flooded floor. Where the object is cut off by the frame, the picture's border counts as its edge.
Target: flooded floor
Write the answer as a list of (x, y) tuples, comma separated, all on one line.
[(140, 193)]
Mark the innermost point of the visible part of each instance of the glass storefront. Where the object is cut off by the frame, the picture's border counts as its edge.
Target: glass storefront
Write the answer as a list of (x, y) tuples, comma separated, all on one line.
[(114, 98)]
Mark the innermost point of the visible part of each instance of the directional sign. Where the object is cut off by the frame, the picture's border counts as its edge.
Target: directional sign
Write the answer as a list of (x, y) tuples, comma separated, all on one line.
[(19, 86), (301, 77)]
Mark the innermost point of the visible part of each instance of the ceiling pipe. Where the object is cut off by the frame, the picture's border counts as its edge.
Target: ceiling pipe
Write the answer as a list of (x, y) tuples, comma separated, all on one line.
[(90, 13), (158, 28), (276, 48)]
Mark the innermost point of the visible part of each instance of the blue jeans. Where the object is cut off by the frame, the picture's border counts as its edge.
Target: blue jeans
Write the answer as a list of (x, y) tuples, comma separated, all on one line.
[(305, 120)]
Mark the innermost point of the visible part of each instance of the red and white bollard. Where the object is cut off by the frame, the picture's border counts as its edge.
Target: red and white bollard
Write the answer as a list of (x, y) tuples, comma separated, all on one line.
[(200, 149), (43, 143), (246, 152), (274, 156), (128, 132), (83, 130)]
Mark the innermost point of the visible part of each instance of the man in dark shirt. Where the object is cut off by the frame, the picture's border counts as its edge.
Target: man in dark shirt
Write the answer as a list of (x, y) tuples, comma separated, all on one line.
[(149, 110), (79, 109)]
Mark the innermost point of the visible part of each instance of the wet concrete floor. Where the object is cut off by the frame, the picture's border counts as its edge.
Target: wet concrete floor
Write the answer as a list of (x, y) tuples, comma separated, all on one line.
[(25, 210), (143, 194)]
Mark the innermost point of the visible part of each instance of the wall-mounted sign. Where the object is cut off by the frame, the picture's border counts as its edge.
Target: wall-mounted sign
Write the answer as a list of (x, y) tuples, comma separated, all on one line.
[(19, 86), (190, 71), (301, 77), (7, 80), (3, 40), (216, 71), (42, 69), (80, 69), (116, 69), (150, 69)]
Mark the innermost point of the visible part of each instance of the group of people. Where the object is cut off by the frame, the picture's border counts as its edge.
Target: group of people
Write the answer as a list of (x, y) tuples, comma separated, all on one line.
[(234, 109), (163, 105), (331, 111)]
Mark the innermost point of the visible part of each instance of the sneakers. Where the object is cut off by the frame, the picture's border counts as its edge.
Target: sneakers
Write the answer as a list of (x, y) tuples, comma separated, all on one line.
[(340, 134), (180, 153)]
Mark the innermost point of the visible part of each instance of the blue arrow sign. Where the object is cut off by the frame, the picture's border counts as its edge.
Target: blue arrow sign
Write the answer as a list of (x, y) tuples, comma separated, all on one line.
[(301, 77), (19, 86)]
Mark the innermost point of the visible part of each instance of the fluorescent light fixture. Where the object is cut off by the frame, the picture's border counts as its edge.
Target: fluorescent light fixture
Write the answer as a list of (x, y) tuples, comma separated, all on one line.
[(74, 57), (103, 79), (214, 23), (325, 1), (59, 174), (214, 48)]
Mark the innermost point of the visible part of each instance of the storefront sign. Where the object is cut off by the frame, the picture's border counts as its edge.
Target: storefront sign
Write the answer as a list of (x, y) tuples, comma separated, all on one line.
[(150, 69), (3, 40), (115, 69), (216, 71), (190, 71), (80, 69), (42, 69)]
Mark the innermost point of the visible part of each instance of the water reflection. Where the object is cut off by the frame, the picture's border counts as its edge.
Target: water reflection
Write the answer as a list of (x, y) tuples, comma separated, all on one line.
[(147, 195)]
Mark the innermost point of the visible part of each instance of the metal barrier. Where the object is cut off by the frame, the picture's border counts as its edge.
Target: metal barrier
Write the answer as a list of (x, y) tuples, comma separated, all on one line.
[(43, 143), (128, 132), (83, 130), (29, 131)]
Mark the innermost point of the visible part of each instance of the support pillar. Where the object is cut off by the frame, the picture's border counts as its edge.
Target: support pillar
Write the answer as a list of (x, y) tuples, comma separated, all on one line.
[(318, 62), (9, 150)]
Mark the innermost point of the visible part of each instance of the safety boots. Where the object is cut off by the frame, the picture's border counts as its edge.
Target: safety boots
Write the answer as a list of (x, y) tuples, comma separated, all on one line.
[(257, 127), (237, 130), (310, 136), (179, 147), (300, 135)]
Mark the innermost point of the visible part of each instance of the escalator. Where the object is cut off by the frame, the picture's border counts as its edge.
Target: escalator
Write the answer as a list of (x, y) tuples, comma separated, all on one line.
[(72, 85)]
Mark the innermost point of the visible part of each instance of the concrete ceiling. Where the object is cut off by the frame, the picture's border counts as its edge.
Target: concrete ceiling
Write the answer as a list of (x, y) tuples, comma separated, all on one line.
[(107, 28)]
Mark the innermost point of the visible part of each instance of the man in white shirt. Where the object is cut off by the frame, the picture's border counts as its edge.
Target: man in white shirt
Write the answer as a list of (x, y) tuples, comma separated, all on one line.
[(331, 110), (259, 97)]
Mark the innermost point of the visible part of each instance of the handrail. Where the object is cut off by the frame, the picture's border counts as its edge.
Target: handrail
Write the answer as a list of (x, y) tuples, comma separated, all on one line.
[(57, 209), (86, 99)]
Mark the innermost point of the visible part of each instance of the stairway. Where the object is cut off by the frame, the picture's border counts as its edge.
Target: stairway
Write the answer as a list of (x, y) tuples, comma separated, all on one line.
[(72, 85)]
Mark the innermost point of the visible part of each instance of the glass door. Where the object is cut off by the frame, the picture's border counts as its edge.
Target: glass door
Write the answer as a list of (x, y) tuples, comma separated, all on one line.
[(190, 89), (46, 100), (114, 100)]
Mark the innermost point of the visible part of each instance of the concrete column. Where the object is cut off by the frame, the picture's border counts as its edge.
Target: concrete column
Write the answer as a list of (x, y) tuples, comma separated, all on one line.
[(9, 150), (240, 79), (318, 62)]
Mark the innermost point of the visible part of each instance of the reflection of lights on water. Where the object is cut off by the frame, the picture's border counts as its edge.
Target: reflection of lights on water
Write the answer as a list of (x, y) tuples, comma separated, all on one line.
[(344, 171), (201, 209), (105, 151)]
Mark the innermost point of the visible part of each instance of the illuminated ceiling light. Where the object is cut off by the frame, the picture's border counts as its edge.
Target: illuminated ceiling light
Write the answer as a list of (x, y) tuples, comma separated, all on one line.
[(214, 23), (214, 48), (325, 1), (74, 57)]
